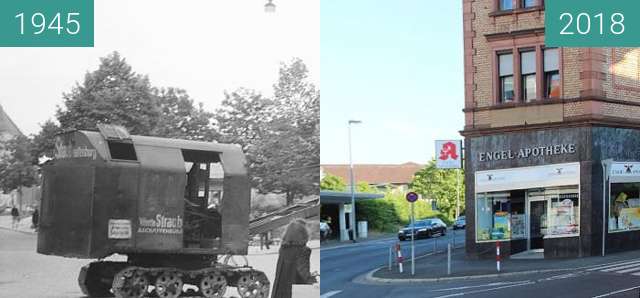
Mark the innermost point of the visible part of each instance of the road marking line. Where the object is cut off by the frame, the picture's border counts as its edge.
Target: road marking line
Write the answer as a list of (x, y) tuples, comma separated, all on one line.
[(635, 274), (637, 268), (486, 290), (329, 294), (620, 267), (616, 292), (613, 264), (479, 286)]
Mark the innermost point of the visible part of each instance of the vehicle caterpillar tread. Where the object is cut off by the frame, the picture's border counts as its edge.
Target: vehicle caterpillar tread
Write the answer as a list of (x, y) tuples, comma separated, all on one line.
[(167, 282)]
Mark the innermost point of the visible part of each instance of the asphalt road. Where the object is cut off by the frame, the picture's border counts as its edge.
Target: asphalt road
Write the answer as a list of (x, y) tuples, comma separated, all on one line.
[(26, 274), (343, 269), (341, 264)]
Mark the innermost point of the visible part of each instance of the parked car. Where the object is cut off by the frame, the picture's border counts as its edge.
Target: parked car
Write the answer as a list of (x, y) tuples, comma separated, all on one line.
[(425, 228), (460, 223)]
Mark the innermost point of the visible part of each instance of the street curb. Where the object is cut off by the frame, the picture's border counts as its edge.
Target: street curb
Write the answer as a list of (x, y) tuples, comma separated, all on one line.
[(370, 278)]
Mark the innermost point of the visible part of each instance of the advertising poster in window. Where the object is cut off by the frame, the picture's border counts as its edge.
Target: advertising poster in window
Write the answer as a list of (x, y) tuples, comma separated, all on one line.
[(517, 226), (501, 226)]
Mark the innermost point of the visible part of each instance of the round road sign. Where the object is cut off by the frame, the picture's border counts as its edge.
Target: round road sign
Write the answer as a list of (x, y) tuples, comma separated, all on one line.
[(412, 197)]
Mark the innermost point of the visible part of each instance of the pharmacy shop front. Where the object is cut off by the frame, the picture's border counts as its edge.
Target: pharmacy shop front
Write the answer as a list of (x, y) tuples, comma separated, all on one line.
[(556, 192), (533, 191)]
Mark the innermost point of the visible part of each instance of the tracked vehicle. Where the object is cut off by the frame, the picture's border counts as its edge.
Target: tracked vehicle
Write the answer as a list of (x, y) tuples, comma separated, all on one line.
[(172, 207)]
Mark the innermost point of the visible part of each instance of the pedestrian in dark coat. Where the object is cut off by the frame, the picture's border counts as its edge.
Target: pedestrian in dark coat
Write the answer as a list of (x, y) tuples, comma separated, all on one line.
[(293, 261), (34, 219), (15, 218)]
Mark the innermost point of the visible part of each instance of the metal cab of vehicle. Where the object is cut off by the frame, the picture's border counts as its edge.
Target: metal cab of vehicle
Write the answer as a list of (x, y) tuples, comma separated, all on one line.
[(171, 206)]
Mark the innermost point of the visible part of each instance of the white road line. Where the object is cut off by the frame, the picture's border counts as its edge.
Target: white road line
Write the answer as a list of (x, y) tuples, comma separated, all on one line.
[(486, 290), (612, 264), (635, 274), (616, 292), (329, 294), (620, 267), (637, 268), (480, 286)]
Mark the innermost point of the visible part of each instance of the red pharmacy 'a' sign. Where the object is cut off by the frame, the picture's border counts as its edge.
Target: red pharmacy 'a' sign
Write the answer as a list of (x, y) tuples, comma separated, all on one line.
[(449, 154)]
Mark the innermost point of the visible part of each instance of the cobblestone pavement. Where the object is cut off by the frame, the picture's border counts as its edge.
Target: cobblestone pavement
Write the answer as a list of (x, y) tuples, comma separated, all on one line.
[(27, 274)]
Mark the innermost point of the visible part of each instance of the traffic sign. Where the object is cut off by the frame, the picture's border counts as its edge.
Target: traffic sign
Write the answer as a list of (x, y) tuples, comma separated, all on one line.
[(412, 197)]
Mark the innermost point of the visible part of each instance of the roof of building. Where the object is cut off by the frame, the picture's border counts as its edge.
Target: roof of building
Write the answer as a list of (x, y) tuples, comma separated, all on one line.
[(7, 126), (335, 197), (376, 173)]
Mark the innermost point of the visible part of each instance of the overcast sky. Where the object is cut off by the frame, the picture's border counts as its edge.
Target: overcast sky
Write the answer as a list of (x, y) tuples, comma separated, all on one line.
[(202, 46)]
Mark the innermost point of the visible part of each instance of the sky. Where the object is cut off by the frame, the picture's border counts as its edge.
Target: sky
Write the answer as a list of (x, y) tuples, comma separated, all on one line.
[(202, 46), (398, 67)]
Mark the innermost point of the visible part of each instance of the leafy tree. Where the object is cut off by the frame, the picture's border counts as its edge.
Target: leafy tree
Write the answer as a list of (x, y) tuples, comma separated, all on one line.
[(440, 185), (16, 165), (280, 136), (243, 117), (180, 119), (331, 182), (112, 94), (43, 144)]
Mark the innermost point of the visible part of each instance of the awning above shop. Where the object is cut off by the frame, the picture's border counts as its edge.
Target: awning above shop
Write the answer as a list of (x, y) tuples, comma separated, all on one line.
[(528, 177), (337, 197)]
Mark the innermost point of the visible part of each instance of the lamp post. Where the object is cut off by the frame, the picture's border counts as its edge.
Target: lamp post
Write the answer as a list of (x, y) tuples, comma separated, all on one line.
[(352, 216), (270, 7)]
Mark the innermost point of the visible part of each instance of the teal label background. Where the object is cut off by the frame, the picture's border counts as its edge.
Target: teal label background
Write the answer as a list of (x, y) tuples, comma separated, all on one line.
[(10, 25), (629, 8)]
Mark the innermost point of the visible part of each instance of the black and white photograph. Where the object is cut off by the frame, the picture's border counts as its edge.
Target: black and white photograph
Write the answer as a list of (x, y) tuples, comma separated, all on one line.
[(176, 156)]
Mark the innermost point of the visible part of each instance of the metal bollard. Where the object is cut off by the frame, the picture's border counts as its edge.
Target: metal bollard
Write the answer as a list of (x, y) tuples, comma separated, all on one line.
[(435, 245), (449, 259), (498, 255), (400, 258), (390, 257)]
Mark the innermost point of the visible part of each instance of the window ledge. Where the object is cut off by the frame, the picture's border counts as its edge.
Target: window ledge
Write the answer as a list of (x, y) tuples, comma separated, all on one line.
[(515, 11), (517, 104)]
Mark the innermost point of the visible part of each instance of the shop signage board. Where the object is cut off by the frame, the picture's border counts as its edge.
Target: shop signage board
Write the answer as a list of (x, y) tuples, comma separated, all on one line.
[(528, 177), (449, 154), (528, 152), (624, 172)]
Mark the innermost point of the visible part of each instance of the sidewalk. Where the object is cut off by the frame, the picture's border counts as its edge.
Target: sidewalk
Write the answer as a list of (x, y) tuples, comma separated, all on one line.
[(433, 267), (273, 249), (24, 226)]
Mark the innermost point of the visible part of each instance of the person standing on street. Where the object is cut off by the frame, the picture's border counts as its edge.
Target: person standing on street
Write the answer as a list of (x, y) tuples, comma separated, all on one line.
[(34, 219), (293, 260), (15, 218)]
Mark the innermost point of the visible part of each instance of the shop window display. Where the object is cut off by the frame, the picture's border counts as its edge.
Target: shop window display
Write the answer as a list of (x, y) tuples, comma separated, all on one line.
[(624, 207), (564, 214), (493, 217)]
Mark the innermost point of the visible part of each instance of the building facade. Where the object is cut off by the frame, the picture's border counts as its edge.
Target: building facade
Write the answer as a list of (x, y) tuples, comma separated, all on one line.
[(552, 138)]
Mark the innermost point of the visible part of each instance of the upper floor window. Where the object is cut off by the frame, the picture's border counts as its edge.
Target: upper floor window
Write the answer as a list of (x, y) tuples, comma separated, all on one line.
[(507, 92), (551, 73), (528, 75), (506, 4), (528, 3)]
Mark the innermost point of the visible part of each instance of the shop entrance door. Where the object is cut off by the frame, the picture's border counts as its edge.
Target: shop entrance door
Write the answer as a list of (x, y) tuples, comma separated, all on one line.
[(537, 223)]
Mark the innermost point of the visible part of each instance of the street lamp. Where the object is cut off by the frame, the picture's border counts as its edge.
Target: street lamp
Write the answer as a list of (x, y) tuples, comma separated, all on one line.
[(352, 216), (270, 7)]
